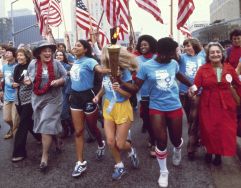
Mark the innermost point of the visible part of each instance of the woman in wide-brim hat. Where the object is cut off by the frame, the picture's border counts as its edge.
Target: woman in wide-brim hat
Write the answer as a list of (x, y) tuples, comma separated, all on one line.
[(47, 76)]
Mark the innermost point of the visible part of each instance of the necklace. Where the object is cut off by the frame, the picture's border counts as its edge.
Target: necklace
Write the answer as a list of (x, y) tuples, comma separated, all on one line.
[(38, 78)]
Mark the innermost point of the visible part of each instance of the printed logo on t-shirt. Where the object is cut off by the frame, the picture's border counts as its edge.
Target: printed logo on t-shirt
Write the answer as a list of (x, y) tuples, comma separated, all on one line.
[(191, 69), (8, 77), (164, 80), (75, 72)]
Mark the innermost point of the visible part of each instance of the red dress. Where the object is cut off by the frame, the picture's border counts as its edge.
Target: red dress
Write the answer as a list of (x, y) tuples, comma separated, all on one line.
[(217, 110)]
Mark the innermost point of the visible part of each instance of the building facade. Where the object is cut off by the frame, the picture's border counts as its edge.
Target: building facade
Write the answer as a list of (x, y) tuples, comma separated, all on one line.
[(225, 16), (2, 9), (225, 10), (26, 30), (5, 30)]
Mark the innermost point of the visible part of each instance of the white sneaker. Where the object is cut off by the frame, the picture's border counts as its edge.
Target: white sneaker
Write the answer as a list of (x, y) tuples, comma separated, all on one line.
[(163, 179), (176, 157), (79, 168)]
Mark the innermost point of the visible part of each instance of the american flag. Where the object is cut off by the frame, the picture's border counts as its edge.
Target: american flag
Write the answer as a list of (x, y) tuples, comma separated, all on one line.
[(150, 6), (117, 14), (83, 20), (185, 9), (48, 13), (185, 31)]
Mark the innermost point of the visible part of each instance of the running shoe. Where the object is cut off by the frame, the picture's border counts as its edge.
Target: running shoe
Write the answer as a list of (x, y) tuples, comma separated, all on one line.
[(134, 158), (176, 157), (118, 173), (100, 152), (163, 179), (79, 168)]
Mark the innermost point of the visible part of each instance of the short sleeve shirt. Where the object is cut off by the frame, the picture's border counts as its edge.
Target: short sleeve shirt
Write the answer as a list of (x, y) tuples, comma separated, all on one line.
[(9, 91), (189, 66), (82, 74), (145, 87), (163, 88)]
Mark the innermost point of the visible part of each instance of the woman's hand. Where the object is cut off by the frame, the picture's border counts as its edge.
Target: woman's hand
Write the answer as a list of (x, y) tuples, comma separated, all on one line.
[(27, 82), (15, 85), (55, 83), (96, 99), (192, 90), (116, 86)]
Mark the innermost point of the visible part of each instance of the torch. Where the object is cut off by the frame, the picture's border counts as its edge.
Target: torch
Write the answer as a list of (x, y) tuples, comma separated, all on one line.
[(114, 52)]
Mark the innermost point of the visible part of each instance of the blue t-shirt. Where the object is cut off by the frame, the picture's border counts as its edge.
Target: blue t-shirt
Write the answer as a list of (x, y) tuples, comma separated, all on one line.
[(126, 76), (9, 91), (82, 74), (163, 89), (145, 87), (189, 66)]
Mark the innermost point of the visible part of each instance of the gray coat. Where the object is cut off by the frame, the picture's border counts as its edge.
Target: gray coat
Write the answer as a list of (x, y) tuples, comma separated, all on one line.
[(47, 107)]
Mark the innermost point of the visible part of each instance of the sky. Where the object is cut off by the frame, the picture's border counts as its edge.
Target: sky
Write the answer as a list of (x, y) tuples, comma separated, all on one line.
[(142, 20)]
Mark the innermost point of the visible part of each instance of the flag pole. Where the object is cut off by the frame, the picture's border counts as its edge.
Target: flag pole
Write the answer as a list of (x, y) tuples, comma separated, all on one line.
[(76, 25), (171, 18), (90, 20), (132, 39), (98, 27), (61, 5)]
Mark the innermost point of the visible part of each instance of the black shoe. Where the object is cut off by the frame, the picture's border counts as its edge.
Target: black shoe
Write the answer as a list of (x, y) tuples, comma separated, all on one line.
[(217, 160), (208, 158), (191, 156), (43, 167)]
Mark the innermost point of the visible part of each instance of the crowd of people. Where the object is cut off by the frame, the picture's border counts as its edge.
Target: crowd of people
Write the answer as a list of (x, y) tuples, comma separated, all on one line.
[(53, 92)]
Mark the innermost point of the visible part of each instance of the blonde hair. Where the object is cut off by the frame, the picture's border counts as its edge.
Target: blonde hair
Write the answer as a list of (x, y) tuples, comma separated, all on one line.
[(126, 59)]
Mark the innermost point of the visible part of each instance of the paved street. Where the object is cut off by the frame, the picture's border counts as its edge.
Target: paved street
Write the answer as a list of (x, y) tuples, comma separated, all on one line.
[(194, 174)]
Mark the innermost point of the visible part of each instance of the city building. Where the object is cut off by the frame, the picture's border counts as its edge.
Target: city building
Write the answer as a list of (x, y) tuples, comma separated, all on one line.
[(5, 27), (20, 12), (197, 25), (25, 28), (225, 16), (2, 8), (224, 10)]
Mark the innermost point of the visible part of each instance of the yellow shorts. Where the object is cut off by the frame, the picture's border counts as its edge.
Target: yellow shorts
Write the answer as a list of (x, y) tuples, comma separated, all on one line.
[(122, 112)]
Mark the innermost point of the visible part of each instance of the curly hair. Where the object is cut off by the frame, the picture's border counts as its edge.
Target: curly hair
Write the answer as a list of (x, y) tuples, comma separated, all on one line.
[(210, 44), (28, 55), (126, 59), (166, 49), (13, 50), (195, 44), (235, 32), (151, 41), (65, 60)]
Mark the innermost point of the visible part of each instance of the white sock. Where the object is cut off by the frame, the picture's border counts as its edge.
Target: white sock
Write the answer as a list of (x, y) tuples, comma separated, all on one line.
[(162, 159), (178, 148), (131, 152), (120, 165)]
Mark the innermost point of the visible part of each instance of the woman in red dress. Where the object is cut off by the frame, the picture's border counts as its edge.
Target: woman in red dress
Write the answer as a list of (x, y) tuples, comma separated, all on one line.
[(218, 104)]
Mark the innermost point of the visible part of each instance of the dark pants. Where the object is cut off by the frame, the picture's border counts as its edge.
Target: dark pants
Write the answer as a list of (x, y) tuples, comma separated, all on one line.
[(26, 124)]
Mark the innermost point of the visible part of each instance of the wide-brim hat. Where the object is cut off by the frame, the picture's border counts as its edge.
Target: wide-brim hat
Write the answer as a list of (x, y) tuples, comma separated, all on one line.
[(41, 45)]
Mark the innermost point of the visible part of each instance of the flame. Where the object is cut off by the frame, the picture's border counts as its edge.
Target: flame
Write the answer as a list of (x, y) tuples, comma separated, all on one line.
[(116, 34)]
